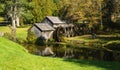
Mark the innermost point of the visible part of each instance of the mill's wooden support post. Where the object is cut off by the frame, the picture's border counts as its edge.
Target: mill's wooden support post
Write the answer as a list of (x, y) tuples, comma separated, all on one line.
[(65, 31), (71, 31), (68, 32)]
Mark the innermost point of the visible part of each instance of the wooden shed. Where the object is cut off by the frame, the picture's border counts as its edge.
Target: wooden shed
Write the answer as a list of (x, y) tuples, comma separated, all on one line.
[(53, 21), (56, 22), (42, 29)]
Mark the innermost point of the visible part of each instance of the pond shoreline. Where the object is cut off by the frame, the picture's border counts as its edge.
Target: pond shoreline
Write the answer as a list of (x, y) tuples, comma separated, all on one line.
[(74, 52)]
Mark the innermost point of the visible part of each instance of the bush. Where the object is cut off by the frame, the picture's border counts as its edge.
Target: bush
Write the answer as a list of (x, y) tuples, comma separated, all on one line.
[(40, 41), (31, 38), (10, 36), (50, 41), (113, 45), (20, 40)]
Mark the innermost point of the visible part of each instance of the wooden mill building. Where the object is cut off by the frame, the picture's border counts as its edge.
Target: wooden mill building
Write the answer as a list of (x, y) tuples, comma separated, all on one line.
[(53, 21), (42, 29), (49, 25)]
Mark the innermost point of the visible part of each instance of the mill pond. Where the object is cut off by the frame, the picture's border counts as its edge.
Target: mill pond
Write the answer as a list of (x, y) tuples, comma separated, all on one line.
[(73, 52)]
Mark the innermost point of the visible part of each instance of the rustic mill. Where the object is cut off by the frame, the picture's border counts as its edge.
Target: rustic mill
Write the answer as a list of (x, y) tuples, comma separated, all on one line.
[(49, 25)]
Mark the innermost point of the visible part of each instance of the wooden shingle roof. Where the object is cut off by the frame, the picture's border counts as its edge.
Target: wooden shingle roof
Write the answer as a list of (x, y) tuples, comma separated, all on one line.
[(44, 27), (54, 20)]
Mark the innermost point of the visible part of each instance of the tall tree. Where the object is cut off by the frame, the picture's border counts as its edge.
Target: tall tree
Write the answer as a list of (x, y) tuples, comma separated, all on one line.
[(108, 9), (43, 8), (1, 8), (14, 9), (75, 10)]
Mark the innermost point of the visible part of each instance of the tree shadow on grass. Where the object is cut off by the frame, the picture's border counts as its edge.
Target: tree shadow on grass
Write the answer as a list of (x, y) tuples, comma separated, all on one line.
[(102, 64)]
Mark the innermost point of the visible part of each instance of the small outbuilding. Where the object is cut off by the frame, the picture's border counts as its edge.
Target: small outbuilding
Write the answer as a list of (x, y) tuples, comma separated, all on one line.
[(42, 29), (53, 21)]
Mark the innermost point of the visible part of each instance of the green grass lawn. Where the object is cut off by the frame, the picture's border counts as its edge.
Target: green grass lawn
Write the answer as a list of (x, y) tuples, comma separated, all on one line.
[(4, 29), (87, 40), (20, 32), (15, 57)]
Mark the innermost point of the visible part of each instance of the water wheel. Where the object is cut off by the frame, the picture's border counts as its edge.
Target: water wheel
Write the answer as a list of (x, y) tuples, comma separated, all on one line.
[(59, 34)]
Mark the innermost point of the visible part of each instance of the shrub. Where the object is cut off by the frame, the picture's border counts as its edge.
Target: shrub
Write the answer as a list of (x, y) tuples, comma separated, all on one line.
[(113, 45), (50, 41), (31, 38), (20, 40), (10, 36), (40, 41)]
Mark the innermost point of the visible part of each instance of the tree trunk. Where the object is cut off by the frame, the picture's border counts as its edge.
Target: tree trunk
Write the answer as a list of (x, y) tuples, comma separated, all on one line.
[(13, 22), (17, 21), (13, 17)]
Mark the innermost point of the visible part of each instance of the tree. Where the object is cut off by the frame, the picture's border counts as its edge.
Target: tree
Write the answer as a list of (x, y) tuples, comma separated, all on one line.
[(14, 9), (27, 11), (77, 11), (108, 9), (1, 8), (43, 8)]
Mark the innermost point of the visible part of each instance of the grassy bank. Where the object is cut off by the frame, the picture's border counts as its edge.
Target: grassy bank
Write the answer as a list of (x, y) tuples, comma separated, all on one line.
[(88, 41), (15, 57), (20, 32)]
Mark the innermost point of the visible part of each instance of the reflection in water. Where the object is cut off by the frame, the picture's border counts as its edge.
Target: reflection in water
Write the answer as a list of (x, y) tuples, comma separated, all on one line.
[(47, 51), (53, 50), (64, 51), (68, 53)]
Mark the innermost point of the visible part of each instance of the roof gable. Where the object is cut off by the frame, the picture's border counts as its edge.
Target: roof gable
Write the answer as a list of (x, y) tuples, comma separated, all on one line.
[(44, 27), (54, 20)]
